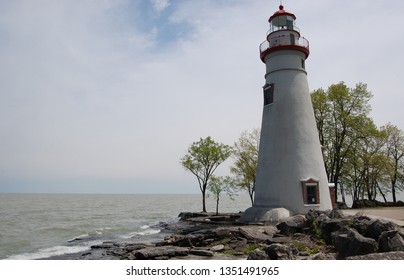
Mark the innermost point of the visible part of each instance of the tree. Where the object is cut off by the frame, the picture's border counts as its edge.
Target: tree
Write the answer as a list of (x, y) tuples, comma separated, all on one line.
[(202, 159), (364, 170), (395, 163), (340, 111), (218, 185), (246, 161)]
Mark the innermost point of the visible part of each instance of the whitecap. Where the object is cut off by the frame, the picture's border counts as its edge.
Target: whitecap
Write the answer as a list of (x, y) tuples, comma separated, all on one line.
[(49, 252), (148, 231), (80, 237)]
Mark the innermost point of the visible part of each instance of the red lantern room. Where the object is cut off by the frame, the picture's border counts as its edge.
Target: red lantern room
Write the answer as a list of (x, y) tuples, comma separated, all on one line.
[(283, 35)]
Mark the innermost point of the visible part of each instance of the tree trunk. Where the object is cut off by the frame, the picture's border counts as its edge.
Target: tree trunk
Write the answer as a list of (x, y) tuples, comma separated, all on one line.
[(393, 192), (217, 205), (342, 192), (381, 192), (251, 192), (393, 184), (204, 201)]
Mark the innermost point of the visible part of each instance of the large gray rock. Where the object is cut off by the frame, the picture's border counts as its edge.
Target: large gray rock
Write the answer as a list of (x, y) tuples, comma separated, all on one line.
[(361, 224), (217, 248), (380, 256), (253, 233), (328, 227), (292, 225), (151, 253), (378, 226), (258, 254), (279, 252), (336, 214), (200, 252), (391, 241), (352, 243), (134, 247)]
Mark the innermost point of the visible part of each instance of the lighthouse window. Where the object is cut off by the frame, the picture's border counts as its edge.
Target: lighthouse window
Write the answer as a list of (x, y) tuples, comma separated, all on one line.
[(268, 94), (303, 64), (311, 192), (289, 24)]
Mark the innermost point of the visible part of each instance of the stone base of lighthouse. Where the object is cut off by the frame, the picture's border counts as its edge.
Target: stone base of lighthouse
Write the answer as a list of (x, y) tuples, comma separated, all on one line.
[(258, 214)]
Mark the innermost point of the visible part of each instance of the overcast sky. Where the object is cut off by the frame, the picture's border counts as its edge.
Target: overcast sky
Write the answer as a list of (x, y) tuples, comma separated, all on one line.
[(105, 96)]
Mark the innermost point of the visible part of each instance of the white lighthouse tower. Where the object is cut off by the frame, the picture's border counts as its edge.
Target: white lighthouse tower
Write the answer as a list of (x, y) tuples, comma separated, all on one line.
[(291, 177)]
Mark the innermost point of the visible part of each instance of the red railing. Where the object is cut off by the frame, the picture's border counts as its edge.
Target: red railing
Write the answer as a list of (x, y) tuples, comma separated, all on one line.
[(284, 42)]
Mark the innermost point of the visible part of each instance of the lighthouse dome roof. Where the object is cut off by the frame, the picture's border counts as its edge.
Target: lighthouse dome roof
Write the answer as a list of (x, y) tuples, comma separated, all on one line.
[(281, 12)]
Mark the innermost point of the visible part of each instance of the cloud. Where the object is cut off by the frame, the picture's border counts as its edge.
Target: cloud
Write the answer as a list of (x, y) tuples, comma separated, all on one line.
[(101, 90), (160, 5)]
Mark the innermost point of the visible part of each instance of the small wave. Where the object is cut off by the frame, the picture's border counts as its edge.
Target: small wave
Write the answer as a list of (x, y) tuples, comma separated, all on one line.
[(148, 231), (50, 252), (91, 235), (80, 237)]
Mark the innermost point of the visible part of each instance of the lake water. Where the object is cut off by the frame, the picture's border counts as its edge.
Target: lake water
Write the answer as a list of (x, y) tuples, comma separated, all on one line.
[(34, 226)]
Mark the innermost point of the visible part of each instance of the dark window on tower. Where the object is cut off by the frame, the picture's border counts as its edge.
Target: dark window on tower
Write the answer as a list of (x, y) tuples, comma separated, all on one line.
[(303, 64), (289, 24), (268, 94), (311, 194)]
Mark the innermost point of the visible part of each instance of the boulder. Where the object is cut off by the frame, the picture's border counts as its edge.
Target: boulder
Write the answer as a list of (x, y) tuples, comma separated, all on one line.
[(217, 248), (258, 254), (391, 241), (327, 228), (151, 253), (104, 245), (200, 252), (134, 247), (342, 205), (292, 225), (184, 216), (352, 243), (238, 244), (322, 217), (336, 214), (378, 226), (253, 233), (361, 223), (311, 215), (399, 255), (279, 252), (185, 241), (365, 203)]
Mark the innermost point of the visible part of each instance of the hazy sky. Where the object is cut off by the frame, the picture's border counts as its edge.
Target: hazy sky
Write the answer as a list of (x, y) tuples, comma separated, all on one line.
[(105, 96)]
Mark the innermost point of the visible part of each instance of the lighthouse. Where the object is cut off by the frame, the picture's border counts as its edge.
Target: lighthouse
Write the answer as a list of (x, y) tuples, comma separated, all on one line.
[(291, 176)]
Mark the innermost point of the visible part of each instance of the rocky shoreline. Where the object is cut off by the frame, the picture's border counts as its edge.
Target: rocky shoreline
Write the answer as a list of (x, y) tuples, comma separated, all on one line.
[(318, 235)]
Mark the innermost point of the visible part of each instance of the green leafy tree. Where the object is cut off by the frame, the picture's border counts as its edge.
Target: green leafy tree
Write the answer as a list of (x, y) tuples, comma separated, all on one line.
[(202, 159), (218, 186), (340, 111), (246, 161), (395, 162), (364, 171)]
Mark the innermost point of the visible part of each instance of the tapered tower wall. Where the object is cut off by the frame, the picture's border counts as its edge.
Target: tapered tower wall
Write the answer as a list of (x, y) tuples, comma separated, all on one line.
[(290, 150), (291, 176)]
